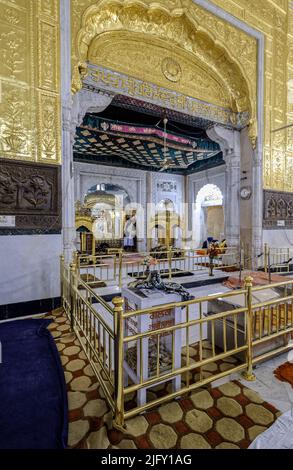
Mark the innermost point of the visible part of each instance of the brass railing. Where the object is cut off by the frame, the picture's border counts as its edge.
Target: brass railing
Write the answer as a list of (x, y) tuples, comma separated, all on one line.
[(119, 265), (272, 320), (275, 259), (130, 361)]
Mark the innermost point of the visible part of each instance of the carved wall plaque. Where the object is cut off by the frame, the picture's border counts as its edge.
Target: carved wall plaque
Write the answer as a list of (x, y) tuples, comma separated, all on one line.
[(31, 193), (278, 210)]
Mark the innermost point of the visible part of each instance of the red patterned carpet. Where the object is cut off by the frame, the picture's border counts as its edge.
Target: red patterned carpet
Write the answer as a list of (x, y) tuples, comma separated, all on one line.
[(227, 417)]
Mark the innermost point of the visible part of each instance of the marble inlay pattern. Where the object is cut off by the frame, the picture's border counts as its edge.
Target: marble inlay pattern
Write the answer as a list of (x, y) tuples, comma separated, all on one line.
[(227, 417)]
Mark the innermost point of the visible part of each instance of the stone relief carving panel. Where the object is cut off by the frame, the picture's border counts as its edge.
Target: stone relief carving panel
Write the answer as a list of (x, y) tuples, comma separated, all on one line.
[(31, 193), (278, 210)]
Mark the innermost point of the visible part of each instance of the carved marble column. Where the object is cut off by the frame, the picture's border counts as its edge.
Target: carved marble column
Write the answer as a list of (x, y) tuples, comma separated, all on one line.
[(68, 225), (68, 212), (257, 206), (73, 111), (229, 141)]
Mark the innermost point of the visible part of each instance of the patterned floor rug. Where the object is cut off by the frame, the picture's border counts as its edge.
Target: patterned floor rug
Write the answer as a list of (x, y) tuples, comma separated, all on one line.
[(227, 417), (285, 373)]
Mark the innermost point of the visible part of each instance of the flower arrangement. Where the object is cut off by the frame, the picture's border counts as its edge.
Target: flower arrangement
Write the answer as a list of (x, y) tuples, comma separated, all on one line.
[(149, 261), (213, 250)]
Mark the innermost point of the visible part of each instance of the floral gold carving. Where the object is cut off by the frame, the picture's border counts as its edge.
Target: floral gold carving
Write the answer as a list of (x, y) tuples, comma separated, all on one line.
[(29, 56), (189, 77), (274, 18), (163, 25)]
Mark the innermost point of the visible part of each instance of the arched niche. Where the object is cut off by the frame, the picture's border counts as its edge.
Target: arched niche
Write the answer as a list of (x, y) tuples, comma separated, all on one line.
[(209, 214)]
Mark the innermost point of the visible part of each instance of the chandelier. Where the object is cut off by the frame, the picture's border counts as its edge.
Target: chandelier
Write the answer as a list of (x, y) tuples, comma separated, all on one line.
[(166, 162)]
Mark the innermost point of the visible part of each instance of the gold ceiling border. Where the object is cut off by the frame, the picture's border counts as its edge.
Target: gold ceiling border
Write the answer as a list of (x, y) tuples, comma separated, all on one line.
[(30, 124), (177, 23), (100, 78)]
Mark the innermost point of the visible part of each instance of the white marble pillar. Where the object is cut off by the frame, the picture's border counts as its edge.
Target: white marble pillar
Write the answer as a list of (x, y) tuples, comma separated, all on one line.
[(68, 222), (231, 201), (229, 141), (73, 112), (257, 206)]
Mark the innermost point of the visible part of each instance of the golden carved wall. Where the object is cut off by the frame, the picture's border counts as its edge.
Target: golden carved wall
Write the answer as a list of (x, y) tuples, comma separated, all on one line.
[(274, 19), (30, 126), (145, 34)]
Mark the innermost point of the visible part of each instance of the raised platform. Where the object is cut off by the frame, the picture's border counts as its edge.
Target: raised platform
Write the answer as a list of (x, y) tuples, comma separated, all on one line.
[(195, 281)]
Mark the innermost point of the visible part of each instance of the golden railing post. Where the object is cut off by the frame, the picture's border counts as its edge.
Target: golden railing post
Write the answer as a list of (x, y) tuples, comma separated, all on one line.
[(75, 258), (73, 276), (170, 262), (119, 359), (61, 277), (93, 245), (120, 268), (248, 374), (266, 253)]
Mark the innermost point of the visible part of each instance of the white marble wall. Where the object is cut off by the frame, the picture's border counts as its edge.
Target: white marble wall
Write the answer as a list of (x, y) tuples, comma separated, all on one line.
[(176, 195), (29, 267), (279, 238), (86, 175)]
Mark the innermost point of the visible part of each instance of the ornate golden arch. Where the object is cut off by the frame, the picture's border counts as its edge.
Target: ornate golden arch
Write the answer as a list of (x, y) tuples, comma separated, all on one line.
[(183, 54)]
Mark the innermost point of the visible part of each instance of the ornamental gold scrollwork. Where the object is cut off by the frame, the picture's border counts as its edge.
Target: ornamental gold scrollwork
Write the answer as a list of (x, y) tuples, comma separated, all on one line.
[(177, 25), (274, 19), (29, 56), (271, 17)]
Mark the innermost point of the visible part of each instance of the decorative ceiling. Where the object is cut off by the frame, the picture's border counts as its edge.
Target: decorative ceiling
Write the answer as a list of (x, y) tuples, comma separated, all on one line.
[(117, 143), (152, 109)]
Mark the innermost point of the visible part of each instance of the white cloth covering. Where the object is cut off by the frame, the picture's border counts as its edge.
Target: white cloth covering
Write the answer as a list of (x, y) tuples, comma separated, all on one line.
[(278, 436)]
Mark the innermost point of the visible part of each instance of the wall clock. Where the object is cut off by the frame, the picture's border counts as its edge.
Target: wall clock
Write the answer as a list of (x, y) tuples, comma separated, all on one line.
[(245, 192)]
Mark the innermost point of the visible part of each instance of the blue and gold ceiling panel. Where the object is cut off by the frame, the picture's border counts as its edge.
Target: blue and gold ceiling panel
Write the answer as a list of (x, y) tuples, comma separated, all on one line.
[(147, 147)]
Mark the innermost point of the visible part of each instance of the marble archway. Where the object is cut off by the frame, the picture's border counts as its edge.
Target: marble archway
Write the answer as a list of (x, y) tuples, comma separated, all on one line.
[(159, 25), (167, 44), (208, 197)]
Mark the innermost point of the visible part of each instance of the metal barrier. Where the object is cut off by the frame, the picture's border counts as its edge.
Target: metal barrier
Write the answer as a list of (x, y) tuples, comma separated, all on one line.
[(275, 259), (185, 374), (92, 320), (118, 266), (129, 360), (272, 320)]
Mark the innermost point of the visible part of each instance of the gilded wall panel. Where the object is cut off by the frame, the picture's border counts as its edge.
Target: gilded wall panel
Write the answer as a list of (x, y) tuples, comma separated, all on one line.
[(49, 8), (210, 40), (120, 51), (16, 129), (274, 19), (48, 135), (29, 56), (48, 67)]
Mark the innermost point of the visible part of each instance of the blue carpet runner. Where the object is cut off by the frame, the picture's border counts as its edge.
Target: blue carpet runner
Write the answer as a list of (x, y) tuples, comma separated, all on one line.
[(33, 396)]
